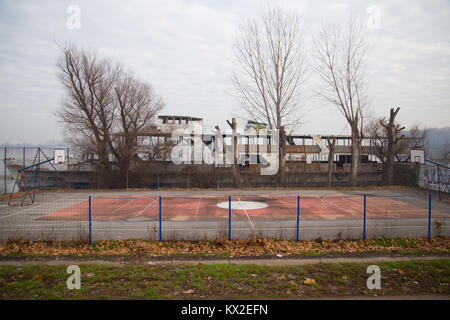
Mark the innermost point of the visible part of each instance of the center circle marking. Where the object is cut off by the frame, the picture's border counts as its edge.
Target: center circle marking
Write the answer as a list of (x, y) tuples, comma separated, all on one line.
[(242, 205)]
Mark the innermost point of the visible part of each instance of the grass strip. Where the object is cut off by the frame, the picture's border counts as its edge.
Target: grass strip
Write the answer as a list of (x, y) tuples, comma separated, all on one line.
[(224, 281)]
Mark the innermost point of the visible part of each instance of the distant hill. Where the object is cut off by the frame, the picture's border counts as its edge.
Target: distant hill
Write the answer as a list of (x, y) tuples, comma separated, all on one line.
[(49, 144), (438, 142)]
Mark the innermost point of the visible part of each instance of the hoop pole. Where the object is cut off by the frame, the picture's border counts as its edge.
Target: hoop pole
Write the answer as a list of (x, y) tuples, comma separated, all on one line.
[(429, 216), (35, 182), (364, 232), (160, 222), (298, 218), (229, 218), (12, 192), (90, 220), (4, 171), (439, 183), (26, 190)]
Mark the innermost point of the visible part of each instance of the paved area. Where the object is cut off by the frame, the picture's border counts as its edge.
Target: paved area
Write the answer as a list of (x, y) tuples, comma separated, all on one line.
[(330, 214), (274, 261)]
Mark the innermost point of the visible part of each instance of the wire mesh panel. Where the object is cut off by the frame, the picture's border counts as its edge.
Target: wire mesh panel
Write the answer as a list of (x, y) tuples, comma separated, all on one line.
[(124, 217), (405, 216), (332, 207), (194, 217), (330, 216), (272, 216), (57, 215), (53, 216)]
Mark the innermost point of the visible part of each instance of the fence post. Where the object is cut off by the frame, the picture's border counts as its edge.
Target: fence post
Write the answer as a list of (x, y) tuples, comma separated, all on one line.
[(298, 217), (160, 224), (90, 220), (364, 232), (229, 218), (429, 216)]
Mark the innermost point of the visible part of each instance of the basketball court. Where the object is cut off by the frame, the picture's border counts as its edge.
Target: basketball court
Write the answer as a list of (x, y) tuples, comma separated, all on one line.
[(244, 207), (190, 214)]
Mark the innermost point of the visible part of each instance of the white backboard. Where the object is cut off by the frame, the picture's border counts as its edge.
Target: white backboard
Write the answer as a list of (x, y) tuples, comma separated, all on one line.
[(59, 156), (418, 156)]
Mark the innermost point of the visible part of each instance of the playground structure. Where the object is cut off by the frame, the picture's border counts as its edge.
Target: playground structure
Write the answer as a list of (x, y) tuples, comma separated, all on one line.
[(437, 179), (27, 189)]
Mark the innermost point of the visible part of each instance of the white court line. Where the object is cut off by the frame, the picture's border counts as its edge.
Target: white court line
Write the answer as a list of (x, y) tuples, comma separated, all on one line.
[(253, 227), (376, 211), (147, 206), (335, 206), (198, 205), (122, 206)]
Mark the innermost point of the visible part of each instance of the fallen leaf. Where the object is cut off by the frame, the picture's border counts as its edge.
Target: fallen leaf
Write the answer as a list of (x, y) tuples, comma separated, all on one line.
[(282, 277), (401, 271), (37, 277), (309, 281), (190, 291), (292, 283), (253, 275)]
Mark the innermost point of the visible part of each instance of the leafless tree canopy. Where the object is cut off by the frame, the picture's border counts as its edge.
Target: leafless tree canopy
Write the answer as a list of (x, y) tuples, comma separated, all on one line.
[(270, 67), (104, 110), (378, 134), (421, 135), (340, 52)]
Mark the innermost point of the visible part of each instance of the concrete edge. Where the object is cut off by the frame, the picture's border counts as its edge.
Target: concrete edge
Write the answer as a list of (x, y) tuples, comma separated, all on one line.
[(260, 262)]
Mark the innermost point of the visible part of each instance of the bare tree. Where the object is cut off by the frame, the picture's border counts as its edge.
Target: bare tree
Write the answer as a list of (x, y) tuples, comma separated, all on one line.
[(412, 139), (340, 52), (331, 143), (136, 105), (269, 69), (420, 138), (374, 131), (393, 137), (103, 111)]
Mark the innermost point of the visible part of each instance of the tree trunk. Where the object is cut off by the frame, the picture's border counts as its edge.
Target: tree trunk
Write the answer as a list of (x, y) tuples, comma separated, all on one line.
[(123, 172), (356, 150), (282, 156), (236, 173), (331, 143), (392, 137), (390, 165)]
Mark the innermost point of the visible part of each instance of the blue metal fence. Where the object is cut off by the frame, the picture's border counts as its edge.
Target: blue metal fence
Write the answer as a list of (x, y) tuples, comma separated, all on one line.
[(230, 220)]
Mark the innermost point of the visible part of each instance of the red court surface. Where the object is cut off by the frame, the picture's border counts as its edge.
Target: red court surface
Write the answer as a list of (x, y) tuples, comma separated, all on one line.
[(259, 207)]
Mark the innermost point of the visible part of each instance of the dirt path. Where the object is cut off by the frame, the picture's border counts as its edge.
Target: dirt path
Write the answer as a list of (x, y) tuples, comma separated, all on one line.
[(211, 261)]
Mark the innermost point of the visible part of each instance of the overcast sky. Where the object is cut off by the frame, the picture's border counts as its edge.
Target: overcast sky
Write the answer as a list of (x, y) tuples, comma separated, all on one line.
[(184, 49)]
